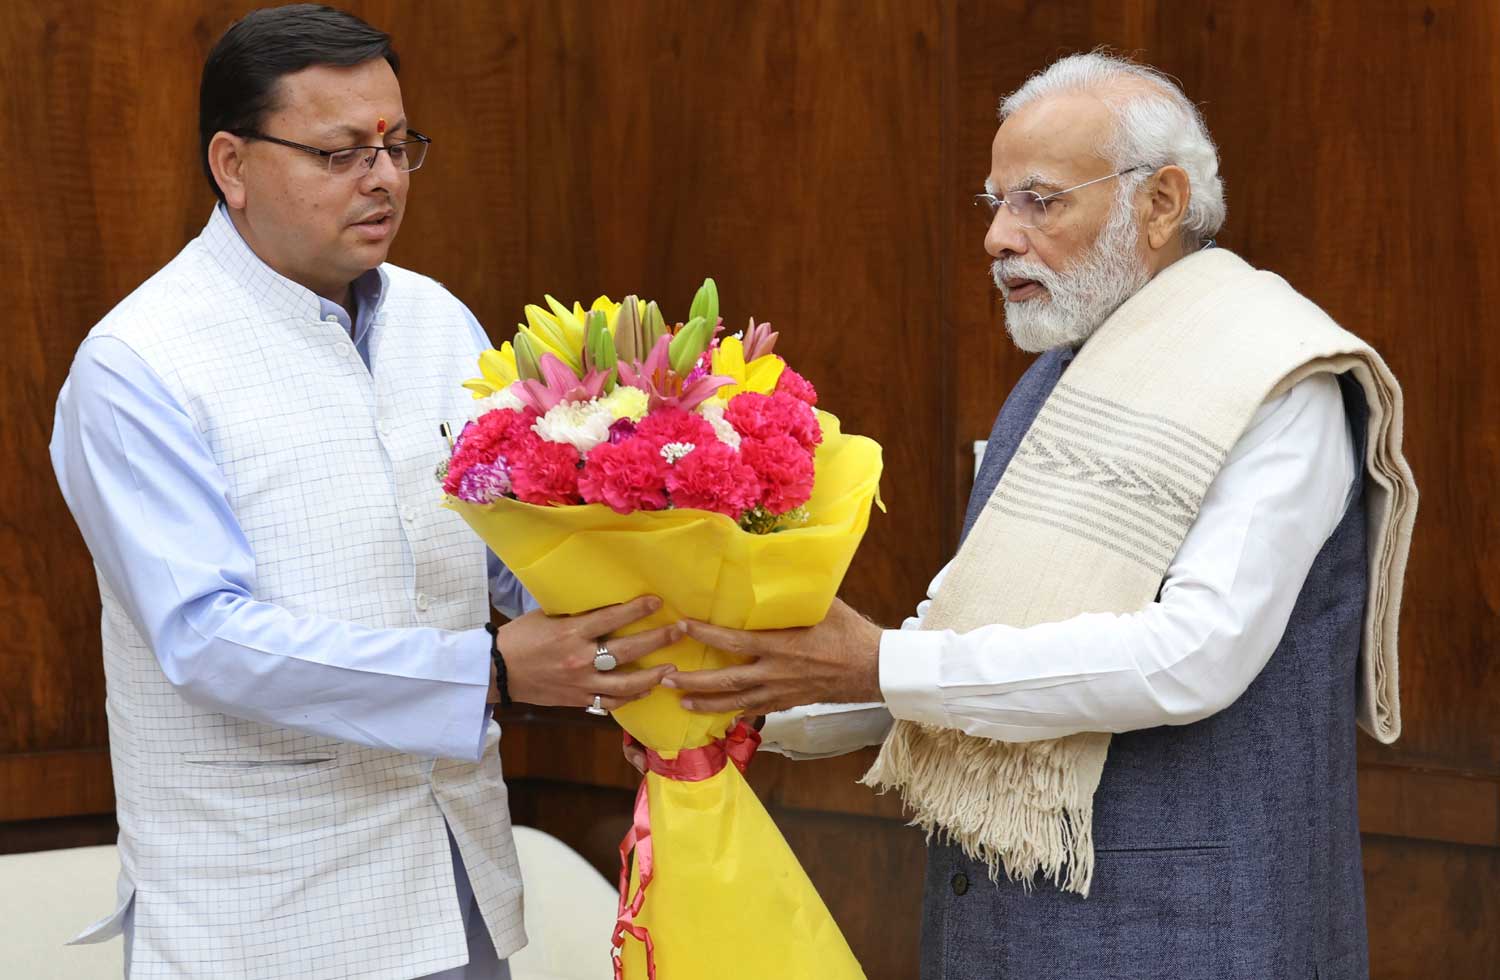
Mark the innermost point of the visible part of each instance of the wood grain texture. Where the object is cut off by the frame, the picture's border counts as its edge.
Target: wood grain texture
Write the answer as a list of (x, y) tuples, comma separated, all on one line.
[(1433, 909), (818, 159), (38, 785), (23, 837), (1438, 805)]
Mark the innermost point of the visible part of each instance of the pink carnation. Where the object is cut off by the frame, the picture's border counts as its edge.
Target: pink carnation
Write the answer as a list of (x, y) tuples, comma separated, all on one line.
[(785, 471), (545, 472), (483, 483), (626, 477), (797, 386), (757, 416), (675, 425), (713, 477), (486, 440)]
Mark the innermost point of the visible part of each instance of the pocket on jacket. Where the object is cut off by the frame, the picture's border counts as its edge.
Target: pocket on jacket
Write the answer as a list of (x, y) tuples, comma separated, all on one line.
[(1152, 913), (287, 766)]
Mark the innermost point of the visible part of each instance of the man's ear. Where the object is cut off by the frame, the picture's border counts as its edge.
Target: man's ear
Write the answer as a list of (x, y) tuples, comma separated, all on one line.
[(1170, 193), (226, 159)]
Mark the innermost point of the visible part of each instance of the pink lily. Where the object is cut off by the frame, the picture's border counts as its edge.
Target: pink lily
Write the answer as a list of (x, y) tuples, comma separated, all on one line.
[(665, 387), (559, 384)]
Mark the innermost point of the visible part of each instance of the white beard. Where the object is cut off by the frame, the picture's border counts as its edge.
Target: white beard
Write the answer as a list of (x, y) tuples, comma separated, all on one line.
[(1081, 297)]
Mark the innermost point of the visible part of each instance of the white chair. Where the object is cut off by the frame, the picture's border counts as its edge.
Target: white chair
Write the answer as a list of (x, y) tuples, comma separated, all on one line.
[(46, 897), (570, 913)]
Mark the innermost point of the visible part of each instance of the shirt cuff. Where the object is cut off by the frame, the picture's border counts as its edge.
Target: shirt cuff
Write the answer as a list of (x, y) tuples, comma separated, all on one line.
[(818, 731), (780, 728), (458, 739), (910, 673)]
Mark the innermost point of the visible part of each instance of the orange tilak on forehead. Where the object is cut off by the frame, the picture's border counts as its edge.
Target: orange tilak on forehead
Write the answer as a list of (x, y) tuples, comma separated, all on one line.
[(380, 126)]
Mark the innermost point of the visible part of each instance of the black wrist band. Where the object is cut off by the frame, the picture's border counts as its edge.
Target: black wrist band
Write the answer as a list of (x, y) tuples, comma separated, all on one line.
[(499, 662)]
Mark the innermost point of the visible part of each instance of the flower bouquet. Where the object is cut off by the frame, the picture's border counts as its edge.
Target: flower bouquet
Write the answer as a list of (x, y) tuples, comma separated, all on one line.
[(613, 455)]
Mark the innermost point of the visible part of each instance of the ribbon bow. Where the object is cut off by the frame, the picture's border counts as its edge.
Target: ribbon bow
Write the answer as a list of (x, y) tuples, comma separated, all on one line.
[(692, 766)]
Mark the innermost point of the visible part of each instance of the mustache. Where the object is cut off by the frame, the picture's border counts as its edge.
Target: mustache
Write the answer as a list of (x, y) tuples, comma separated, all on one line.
[(1021, 268)]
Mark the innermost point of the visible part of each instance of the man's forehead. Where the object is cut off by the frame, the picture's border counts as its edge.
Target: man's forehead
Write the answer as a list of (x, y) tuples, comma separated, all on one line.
[(1054, 140), (354, 99)]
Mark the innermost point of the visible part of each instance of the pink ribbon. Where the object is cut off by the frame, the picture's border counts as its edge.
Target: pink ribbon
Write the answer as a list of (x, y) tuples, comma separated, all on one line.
[(691, 766)]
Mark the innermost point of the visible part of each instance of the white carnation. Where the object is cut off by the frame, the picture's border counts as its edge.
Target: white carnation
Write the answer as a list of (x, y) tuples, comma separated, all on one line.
[(489, 403), (714, 413), (582, 425)]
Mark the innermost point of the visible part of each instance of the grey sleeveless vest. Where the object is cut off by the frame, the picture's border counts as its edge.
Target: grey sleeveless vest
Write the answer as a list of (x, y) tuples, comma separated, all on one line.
[(1227, 849)]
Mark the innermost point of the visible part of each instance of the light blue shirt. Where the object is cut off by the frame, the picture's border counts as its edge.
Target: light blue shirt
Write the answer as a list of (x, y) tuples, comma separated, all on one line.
[(153, 508)]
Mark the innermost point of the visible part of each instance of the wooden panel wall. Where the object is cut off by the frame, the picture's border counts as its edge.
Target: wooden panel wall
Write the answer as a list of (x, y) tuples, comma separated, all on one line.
[(817, 158)]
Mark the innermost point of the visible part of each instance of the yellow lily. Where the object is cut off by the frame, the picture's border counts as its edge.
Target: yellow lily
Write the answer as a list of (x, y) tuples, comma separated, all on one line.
[(561, 332), (498, 368), (759, 376), (610, 307)]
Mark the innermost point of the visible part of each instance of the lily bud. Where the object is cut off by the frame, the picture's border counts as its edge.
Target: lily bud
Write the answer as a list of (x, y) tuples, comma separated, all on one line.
[(627, 338), (654, 327), (706, 303), (689, 345), (599, 347), (527, 366)]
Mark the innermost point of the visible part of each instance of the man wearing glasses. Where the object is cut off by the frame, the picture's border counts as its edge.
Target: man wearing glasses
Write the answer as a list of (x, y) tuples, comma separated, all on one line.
[(300, 684), (1126, 712)]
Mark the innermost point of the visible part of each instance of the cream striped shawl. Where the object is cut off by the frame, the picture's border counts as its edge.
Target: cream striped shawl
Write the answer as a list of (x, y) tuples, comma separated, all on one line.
[(1091, 511)]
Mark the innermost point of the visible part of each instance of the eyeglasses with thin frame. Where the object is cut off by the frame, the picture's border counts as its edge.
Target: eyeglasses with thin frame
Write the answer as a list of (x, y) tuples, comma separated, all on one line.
[(406, 155), (1030, 208)]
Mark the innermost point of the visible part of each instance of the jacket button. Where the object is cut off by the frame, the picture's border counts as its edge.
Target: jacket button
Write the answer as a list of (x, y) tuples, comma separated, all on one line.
[(960, 883)]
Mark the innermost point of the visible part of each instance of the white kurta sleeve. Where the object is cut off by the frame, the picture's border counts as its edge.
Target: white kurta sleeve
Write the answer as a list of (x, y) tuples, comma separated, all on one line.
[(1224, 605)]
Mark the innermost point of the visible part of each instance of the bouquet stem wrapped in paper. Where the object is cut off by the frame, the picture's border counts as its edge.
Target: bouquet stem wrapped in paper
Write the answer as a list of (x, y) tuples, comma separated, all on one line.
[(614, 456), (725, 896)]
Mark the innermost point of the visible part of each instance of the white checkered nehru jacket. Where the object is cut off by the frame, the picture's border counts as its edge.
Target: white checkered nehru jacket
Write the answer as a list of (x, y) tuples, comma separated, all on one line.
[(262, 852)]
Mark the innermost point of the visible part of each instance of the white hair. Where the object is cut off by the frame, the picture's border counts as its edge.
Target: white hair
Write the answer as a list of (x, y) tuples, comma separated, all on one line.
[(1155, 125)]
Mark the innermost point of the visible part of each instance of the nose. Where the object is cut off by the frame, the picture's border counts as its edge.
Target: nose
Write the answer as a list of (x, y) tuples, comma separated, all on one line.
[(1005, 236), (383, 174)]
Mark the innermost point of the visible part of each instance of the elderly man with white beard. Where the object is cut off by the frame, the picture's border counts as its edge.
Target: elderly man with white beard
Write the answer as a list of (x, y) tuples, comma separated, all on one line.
[(1126, 714)]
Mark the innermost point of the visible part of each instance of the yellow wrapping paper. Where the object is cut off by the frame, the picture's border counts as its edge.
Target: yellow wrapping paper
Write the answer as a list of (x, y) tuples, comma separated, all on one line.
[(728, 898)]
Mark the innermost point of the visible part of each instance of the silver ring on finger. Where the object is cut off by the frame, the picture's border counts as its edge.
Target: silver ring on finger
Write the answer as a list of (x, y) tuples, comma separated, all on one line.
[(597, 708), (603, 659)]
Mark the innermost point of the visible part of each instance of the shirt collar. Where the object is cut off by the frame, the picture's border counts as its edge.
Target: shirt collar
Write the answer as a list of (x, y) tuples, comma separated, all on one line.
[(290, 299), (369, 295)]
